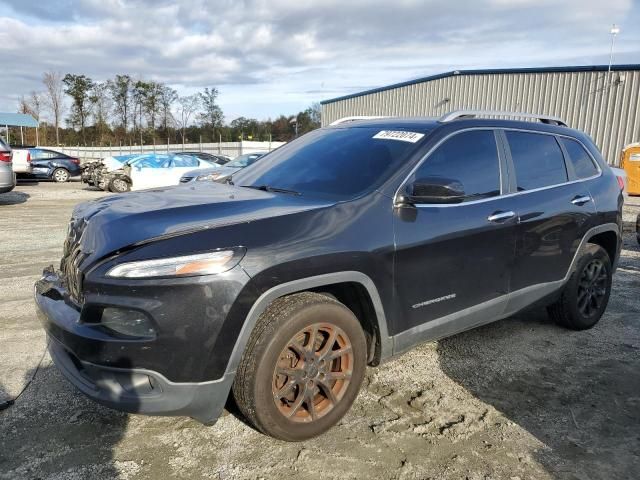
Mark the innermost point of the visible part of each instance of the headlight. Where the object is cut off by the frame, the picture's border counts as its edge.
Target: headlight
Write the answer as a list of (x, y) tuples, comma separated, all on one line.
[(210, 177), (186, 266)]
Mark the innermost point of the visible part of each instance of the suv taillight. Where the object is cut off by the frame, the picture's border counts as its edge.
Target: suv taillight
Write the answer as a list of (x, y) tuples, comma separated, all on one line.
[(5, 156), (28, 157), (620, 182)]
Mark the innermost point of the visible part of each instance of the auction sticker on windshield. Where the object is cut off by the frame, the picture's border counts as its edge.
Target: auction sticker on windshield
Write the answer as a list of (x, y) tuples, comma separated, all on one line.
[(411, 137)]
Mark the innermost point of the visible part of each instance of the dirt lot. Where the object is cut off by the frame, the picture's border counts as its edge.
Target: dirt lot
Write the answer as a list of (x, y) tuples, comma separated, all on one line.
[(520, 398)]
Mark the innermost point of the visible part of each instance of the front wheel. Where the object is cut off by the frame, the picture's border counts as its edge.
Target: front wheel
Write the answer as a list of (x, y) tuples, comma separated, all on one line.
[(302, 367), (586, 294), (60, 175), (119, 185)]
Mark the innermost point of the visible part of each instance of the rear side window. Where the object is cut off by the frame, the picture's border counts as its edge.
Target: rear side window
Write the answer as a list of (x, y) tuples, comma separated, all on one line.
[(579, 158), (537, 159), (470, 158), (184, 161)]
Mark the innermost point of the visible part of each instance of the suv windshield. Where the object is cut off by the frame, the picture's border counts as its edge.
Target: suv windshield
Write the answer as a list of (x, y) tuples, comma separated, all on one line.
[(339, 163)]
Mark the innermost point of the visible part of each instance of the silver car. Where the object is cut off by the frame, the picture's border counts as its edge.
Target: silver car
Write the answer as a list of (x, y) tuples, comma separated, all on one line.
[(222, 173), (7, 177)]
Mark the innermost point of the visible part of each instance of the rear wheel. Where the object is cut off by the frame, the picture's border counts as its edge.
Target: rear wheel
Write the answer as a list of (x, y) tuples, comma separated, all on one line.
[(302, 367), (60, 175), (119, 185), (586, 294)]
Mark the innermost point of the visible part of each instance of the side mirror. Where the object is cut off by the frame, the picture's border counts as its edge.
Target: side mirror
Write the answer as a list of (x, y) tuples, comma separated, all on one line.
[(434, 190)]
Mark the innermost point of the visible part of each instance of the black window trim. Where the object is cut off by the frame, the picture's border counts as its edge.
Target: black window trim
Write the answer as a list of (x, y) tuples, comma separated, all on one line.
[(506, 163)]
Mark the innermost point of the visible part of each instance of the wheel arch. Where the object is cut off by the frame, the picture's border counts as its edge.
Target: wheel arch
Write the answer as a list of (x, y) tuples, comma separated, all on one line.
[(346, 287), (607, 236)]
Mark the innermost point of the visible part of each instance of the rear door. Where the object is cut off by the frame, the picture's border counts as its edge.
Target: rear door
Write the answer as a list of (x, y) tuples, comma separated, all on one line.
[(454, 258), (554, 206)]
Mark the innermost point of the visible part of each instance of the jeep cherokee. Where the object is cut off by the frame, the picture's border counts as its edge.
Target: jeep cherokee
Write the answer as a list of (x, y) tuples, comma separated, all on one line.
[(339, 250)]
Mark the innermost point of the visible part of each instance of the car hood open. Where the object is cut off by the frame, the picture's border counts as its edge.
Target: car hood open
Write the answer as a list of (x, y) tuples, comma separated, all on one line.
[(112, 223)]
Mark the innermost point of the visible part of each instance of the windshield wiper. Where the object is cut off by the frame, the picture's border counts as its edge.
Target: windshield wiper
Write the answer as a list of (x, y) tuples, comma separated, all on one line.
[(269, 188)]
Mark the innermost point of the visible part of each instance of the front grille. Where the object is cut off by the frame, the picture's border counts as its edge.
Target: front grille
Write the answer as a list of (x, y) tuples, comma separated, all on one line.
[(186, 179), (72, 259)]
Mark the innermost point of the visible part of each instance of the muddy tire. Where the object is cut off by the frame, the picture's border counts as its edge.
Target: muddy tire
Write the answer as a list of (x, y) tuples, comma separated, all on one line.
[(586, 294), (60, 175), (302, 367), (119, 185)]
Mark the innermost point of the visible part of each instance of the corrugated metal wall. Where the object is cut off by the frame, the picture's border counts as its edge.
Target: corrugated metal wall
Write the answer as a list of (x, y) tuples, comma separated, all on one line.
[(604, 105)]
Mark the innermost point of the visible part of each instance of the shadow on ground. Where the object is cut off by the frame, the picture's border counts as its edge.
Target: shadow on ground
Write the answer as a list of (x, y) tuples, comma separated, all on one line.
[(577, 392), (54, 431), (13, 198)]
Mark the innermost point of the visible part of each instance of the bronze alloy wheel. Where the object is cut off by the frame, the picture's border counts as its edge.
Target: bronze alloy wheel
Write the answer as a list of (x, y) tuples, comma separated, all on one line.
[(313, 372), (302, 367)]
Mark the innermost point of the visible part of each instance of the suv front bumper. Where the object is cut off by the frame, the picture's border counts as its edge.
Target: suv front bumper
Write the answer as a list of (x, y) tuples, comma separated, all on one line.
[(128, 386), (142, 391)]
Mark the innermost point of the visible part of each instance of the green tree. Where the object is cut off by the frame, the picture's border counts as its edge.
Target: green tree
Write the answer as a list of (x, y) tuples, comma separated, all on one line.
[(211, 116), (78, 87), (168, 96), (120, 91)]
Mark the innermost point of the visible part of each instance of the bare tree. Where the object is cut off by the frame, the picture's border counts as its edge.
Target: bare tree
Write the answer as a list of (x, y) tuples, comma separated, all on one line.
[(187, 107), (54, 100)]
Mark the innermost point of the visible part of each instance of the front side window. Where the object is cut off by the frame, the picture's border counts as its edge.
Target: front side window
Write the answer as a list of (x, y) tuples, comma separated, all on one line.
[(579, 158), (470, 158), (181, 161), (537, 159)]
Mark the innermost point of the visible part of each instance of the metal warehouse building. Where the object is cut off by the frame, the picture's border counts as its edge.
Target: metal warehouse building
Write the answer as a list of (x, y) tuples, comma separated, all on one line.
[(604, 104)]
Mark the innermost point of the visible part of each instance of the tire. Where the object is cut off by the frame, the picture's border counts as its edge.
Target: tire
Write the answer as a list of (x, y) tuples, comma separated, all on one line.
[(119, 185), (60, 175), (586, 294), (277, 387)]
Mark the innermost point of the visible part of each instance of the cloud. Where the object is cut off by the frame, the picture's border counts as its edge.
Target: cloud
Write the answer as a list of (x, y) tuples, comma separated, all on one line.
[(267, 55)]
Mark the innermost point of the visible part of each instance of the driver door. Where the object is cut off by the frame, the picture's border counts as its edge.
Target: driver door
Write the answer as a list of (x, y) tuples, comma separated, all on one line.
[(453, 260), (150, 172)]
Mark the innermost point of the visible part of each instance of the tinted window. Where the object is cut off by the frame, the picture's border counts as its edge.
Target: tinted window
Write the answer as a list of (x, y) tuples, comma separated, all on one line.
[(537, 159), (580, 159), (470, 158), (337, 163)]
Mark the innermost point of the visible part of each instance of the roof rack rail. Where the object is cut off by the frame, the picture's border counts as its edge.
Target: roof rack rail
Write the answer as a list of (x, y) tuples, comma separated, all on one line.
[(457, 114), (356, 118)]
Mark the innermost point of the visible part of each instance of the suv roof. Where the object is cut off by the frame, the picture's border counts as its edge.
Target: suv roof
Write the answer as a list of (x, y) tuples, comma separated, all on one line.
[(427, 124)]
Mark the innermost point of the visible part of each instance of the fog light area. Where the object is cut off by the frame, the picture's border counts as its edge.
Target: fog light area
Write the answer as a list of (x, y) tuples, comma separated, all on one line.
[(127, 322)]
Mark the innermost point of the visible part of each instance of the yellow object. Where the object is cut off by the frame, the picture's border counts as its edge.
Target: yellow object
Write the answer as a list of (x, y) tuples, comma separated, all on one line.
[(630, 162)]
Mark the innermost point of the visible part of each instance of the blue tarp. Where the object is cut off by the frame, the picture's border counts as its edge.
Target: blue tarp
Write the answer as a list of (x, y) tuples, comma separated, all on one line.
[(17, 120)]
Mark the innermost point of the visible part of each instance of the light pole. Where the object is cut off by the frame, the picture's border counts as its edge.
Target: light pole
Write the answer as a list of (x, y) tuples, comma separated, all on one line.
[(615, 30), (294, 122)]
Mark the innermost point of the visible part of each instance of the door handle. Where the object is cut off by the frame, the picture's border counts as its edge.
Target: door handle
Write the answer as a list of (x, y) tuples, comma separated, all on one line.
[(581, 200), (501, 216)]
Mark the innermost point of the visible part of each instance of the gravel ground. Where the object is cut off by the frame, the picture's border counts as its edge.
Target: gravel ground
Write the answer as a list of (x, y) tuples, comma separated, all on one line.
[(520, 398)]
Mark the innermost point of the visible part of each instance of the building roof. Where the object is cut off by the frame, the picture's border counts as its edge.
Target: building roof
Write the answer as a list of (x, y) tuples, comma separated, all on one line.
[(17, 120), (564, 69)]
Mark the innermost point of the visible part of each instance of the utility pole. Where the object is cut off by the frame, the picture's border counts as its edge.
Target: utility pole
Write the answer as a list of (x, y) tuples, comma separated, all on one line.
[(615, 30)]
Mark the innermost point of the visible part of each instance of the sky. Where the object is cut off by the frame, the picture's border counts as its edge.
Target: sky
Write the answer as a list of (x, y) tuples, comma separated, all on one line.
[(271, 57)]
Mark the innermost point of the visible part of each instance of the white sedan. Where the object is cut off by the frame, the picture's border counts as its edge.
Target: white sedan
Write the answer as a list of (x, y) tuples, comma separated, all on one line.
[(154, 170)]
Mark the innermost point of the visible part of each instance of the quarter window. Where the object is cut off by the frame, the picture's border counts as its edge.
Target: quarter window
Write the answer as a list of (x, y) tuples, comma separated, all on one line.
[(580, 159), (469, 157), (537, 159)]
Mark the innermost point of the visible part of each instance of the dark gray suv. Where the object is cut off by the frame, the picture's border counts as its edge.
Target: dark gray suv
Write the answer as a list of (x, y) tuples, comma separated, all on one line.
[(339, 250)]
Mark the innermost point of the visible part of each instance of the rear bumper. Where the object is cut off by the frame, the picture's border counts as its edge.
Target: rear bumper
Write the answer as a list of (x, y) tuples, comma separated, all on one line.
[(142, 391), (7, 180)]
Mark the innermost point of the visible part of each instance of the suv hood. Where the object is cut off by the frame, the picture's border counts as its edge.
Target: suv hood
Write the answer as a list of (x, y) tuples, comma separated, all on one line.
[(111, 223)]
